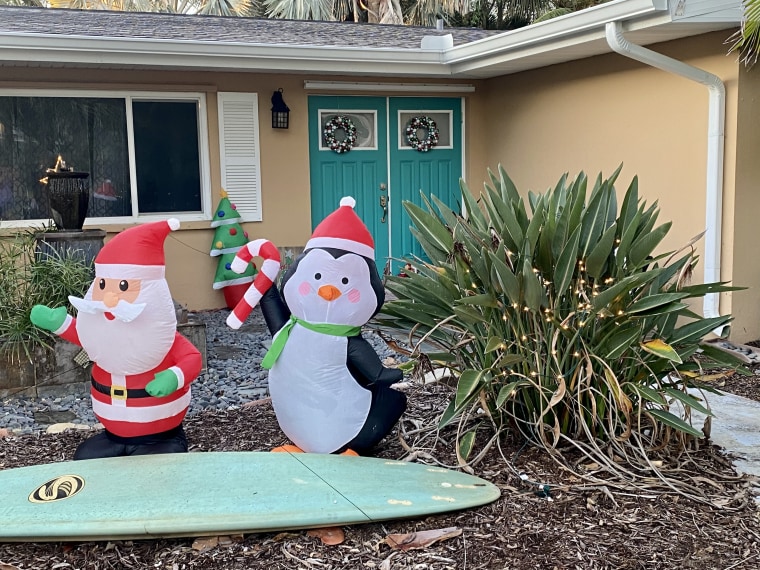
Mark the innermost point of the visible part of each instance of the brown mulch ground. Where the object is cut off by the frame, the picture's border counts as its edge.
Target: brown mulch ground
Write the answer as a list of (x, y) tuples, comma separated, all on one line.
[(573, 528)]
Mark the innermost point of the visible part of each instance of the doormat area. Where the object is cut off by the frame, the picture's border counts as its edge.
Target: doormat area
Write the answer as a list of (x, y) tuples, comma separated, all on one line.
[(746, 353)]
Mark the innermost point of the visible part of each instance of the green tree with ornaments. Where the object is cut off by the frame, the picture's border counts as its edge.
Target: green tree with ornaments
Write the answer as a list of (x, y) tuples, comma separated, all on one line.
[(229, 237)]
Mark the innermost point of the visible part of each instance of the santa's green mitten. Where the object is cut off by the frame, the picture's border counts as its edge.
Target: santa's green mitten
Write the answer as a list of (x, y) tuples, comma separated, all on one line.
[(47, 318), (163, 384)]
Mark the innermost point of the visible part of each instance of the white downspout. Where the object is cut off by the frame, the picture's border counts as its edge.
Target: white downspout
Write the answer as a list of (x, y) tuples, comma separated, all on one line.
[(715, 141)]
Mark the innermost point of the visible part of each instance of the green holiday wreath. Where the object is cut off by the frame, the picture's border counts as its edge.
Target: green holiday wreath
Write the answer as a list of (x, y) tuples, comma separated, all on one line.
[(337, 123), (426, 124)]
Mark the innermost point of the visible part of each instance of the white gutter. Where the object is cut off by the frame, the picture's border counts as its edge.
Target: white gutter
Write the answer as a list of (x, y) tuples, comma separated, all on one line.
[(555, 30), (715, 142)]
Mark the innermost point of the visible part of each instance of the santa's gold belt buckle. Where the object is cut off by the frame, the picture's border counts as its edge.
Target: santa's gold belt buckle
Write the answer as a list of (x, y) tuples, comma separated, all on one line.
[(119, 392)]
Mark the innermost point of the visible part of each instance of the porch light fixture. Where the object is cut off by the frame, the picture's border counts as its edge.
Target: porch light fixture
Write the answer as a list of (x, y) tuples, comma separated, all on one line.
[(280, 111)]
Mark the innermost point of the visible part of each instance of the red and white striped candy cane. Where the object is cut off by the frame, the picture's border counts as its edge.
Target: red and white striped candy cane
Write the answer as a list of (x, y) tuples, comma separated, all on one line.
[(264, 279)]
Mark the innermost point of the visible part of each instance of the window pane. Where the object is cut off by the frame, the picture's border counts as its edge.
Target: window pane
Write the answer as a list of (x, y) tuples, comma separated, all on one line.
[(442, 122), (90, 135), (167, 156)]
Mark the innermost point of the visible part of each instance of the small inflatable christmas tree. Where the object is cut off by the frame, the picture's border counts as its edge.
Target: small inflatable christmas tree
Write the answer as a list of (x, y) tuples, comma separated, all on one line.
[(229, 237)]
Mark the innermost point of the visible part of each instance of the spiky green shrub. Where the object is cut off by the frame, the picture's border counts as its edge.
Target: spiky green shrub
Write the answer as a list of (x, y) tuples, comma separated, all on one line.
[(558, 317), (27, 279)]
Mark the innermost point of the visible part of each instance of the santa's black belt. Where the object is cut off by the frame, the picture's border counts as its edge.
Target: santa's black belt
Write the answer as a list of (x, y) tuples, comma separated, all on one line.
[(120, 392)]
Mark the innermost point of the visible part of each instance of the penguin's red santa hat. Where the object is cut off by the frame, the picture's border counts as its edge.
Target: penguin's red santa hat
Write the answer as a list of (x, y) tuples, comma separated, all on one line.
[(343, 229), (136, 253)]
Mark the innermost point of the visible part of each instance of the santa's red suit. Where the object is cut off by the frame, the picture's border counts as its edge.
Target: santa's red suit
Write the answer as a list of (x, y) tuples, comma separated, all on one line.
[(121, 403), (142, 367)]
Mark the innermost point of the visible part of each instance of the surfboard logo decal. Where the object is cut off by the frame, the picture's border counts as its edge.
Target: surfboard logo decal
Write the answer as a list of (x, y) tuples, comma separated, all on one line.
[(57, 489)]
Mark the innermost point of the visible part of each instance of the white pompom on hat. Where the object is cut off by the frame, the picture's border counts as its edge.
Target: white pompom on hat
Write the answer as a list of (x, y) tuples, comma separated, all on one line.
[(136, 253), (343, 229)]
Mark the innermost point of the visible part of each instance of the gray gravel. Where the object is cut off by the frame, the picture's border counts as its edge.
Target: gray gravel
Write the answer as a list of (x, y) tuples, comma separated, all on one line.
[(234, 376)]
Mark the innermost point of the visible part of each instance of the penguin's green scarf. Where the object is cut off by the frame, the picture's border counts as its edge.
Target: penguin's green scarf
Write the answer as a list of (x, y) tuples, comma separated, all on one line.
[(282, 337)]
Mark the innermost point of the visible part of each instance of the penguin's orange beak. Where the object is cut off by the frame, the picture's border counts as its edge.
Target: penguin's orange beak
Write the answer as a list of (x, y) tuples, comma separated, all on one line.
[(328, 292)]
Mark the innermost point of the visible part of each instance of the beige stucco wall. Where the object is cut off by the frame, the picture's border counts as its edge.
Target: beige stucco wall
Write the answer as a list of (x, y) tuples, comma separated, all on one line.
[(745, 257), (589, 115), (595, 114), (284, 159)]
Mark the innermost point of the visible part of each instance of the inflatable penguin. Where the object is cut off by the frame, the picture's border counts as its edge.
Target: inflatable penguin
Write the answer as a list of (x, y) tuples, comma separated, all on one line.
[(330, 392)]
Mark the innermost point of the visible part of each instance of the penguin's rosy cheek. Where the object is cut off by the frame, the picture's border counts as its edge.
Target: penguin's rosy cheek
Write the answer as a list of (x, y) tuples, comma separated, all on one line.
[(304, 288), (354, 296)]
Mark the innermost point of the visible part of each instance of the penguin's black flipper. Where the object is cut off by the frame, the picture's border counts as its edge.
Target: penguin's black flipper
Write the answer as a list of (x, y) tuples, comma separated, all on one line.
[(365, 366), (275, 312)]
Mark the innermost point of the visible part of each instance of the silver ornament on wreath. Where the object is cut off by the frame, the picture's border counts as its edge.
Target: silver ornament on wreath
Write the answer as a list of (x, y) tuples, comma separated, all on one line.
[(426, 124), (337, 123)]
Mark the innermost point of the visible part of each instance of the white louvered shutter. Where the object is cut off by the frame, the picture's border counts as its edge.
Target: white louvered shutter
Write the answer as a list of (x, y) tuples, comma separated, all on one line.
[(239, 152)]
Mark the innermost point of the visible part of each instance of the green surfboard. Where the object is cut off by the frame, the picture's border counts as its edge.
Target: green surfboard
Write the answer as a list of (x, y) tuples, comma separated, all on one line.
[(196, 494)]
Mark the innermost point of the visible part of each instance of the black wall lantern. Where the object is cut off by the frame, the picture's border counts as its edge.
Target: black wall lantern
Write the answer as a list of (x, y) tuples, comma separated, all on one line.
[(280, 111)]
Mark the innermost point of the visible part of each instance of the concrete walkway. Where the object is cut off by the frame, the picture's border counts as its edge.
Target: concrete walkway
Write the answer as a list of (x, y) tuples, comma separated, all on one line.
[(736, 428)]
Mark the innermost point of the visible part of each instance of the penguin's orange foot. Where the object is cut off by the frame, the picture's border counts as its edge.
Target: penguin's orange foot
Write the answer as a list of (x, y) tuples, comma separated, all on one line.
[(287, 449), (350, 452)]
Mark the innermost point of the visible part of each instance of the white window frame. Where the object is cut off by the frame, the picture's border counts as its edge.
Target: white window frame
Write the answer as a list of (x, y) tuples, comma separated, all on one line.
[(421, 112), (204, 214)]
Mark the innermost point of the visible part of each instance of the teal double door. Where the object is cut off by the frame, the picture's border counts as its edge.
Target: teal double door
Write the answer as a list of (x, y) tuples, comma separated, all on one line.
[(383, 170)]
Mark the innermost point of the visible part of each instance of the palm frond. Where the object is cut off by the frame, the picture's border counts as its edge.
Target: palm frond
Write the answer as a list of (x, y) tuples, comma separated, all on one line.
[(746, 41), (300, 9)]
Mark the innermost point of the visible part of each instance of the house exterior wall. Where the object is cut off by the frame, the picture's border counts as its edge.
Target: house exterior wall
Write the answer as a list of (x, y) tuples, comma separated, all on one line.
[(593, 115), (284, 159), (744, 250), (589, 115)]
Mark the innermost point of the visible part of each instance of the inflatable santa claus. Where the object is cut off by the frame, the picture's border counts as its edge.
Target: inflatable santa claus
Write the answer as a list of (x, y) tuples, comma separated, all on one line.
[(142, 366)]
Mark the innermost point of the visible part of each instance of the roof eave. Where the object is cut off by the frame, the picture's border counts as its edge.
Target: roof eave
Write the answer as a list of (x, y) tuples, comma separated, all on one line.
[(141, 53), (576, 36), (544, 36)]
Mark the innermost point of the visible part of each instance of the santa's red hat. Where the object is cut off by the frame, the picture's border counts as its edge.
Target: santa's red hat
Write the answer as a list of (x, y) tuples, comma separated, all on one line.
[(136, 253), (343, 229), (106, 191)]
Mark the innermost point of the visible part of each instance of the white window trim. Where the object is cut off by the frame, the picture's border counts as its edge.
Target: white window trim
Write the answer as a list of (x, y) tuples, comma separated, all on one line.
[(417, 113), (203, 152)]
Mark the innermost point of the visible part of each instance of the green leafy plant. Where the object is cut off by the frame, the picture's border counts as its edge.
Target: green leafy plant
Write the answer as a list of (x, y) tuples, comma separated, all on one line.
[(558, 318), (27, 278)]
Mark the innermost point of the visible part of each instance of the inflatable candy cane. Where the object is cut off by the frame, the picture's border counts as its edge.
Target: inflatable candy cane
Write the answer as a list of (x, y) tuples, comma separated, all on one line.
[(269, 269)]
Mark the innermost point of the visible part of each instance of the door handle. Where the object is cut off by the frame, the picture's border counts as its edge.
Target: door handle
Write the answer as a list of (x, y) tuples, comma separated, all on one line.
[(384, 206)]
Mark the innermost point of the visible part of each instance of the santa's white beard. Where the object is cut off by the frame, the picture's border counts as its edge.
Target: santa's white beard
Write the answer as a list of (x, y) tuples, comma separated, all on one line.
[(127, 348)]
